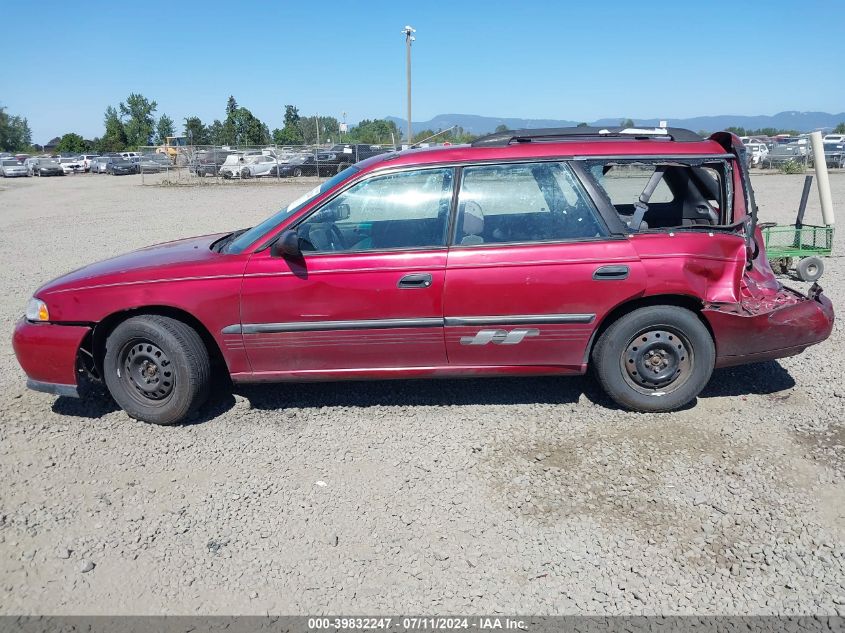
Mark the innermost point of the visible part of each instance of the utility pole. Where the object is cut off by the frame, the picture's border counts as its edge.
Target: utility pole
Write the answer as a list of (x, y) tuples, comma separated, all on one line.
[(409, 37)]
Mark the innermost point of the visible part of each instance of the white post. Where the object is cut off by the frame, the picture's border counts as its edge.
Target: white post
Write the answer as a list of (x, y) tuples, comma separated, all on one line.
[(822, 178)]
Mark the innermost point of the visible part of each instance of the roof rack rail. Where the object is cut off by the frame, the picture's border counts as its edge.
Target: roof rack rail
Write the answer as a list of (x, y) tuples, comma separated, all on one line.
[(503, 139)]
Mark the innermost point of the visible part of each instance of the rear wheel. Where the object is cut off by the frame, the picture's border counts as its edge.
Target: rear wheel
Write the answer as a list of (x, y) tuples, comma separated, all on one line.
[(156, 368), (657, 358), (297, 172)]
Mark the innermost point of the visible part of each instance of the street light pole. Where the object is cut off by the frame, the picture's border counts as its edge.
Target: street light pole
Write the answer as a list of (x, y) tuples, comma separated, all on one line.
[(409, 37)]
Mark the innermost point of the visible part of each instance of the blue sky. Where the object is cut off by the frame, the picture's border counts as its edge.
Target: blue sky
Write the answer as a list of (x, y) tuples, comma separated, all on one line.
[(554, 59)]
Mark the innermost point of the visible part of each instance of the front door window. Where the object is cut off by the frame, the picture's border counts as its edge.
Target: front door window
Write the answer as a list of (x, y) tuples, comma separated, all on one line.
[(404, 210)]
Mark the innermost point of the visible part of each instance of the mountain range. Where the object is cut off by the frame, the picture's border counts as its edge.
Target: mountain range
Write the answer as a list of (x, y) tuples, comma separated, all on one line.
[(790, 120)]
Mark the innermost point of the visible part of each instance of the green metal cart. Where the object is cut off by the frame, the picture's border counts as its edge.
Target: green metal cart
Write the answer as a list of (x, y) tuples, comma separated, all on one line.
[(807, 243)]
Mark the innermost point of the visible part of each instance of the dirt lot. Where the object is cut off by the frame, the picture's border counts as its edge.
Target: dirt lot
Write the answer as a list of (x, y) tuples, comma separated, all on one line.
[(522, 495)]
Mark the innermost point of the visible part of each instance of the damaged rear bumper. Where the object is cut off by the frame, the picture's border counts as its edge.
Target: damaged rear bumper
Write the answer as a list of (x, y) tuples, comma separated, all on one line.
[(786, 325)]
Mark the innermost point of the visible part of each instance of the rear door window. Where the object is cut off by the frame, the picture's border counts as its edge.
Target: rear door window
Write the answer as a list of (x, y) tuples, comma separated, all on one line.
[(524, 202), (685, 195)]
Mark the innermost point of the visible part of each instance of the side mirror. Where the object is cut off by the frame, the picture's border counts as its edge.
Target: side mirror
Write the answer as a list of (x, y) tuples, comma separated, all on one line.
[(287, 245)]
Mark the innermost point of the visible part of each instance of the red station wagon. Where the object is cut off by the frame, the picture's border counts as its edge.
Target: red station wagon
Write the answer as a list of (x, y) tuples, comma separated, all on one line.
[(633, 252)]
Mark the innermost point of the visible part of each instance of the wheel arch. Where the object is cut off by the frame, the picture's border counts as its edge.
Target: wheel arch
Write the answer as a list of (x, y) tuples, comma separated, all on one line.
[(691, 303), (107, 325)]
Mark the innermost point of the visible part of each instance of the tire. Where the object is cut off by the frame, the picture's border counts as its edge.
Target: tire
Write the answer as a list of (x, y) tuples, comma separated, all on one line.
[(669, 341), (810, 269), (245, 173), (297, 172), (142, 353)]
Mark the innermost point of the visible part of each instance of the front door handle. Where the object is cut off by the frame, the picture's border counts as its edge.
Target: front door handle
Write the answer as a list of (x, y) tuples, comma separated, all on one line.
[(611, 272), (415, 280)]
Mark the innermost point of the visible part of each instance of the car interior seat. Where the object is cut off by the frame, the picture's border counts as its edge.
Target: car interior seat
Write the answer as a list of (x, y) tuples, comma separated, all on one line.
[(472, 226)]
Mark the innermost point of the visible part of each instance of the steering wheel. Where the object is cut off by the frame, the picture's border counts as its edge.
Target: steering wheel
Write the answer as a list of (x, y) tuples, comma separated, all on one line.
[(337, 242)]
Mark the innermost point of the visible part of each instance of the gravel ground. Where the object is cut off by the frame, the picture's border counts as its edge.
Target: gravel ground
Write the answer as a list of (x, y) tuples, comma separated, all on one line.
[(505, 495)]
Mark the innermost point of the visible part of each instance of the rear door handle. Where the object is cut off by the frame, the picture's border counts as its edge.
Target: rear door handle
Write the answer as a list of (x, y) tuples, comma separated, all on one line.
[(611, 273), (415, 280)]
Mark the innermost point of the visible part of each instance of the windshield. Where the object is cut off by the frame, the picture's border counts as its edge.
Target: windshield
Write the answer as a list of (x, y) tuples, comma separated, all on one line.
[(10, 163), (245, 239)]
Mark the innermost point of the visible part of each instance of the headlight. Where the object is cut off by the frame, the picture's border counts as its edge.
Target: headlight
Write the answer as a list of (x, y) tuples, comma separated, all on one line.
[(36, 310)]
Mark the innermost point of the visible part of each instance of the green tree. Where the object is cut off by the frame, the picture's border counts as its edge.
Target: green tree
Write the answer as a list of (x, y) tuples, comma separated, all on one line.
[(329, 128), (15, 135), (243, 128), (627, 123), (290, 134), (739, 131), (376, 131), (501, 128), (582, 125), (230, 132), (164, 128), (419, 137), (139, 120), (215, 133), (196, 132), (291, 116), (71, 143), (114, 138), (839, 129), (231, 106)]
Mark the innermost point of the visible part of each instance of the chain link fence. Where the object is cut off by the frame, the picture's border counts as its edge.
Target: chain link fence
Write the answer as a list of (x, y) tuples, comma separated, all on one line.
[(241, 163)]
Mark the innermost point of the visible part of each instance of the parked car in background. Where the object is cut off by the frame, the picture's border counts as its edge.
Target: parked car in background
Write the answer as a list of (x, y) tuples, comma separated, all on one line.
[(313, 164), (257, 166), (153, 163), (127, 155), (504, 257), (834, 153), (86, 160), (834, 138), (232, 165), (47, 167), (784, 153), (97, 165), (122, 167), (756, 153), (208, 162), (72, 165), (351, 153), (12, 168)]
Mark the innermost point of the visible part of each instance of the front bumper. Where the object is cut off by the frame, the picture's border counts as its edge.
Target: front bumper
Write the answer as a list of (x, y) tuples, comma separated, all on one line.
[(777, 333), (47, 353)]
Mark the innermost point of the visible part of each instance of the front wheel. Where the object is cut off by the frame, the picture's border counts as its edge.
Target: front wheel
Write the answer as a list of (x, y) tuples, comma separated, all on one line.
[(657, 358), (157, 369)]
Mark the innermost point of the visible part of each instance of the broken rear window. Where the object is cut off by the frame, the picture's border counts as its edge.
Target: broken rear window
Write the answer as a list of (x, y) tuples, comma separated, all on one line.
[(660, 195)]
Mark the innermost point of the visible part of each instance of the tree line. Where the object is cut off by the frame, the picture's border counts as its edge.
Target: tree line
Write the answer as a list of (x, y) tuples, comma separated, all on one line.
[(133, 123)]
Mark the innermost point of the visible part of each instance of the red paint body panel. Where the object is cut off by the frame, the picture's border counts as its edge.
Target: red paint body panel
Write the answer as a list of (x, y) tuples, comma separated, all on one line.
[(46, 352), (185, 275), (354, 287), (538, 279)]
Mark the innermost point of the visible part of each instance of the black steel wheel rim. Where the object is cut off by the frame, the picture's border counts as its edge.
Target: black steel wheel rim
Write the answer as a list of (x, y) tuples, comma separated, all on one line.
[(147, 371), (657, 360)]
